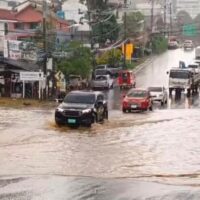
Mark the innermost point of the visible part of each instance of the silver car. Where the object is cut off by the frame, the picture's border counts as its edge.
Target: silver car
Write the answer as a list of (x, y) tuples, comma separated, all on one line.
[(159, 94), (103, 82)]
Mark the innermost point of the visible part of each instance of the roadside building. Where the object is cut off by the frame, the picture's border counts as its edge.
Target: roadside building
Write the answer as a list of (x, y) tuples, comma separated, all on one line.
[(21, 24)]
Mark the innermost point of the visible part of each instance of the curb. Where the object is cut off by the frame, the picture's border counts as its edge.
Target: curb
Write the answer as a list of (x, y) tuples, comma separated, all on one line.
[(144, 64)]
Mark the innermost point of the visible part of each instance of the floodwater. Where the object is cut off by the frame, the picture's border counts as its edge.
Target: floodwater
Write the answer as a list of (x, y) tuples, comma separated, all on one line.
[(152, 155)]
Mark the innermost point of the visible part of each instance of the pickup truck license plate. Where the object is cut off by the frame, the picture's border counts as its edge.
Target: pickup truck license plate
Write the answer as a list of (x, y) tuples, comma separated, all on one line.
[(71, 121)]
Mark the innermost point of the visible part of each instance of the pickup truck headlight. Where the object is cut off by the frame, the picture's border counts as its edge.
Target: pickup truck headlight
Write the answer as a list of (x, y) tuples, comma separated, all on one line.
[(86, 111), (60, 109)]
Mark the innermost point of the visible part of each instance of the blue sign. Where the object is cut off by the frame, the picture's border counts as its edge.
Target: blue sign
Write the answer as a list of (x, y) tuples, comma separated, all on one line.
[(61, 14)]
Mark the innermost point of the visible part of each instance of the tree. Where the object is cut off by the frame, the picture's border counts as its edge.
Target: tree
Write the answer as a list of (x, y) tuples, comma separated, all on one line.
[(134, 24), (79, 63), (105, 29), (97, 4), (111, 57)]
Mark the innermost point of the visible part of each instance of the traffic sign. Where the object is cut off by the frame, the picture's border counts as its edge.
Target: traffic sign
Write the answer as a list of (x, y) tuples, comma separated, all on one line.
[(189, 30)]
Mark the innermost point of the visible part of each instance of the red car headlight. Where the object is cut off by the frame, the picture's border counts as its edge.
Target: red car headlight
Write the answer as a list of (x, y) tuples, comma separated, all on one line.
[(125, 103), (145, 104)]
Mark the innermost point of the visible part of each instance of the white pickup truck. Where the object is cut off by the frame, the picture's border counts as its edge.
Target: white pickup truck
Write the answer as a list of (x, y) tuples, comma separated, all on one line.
[(183, 80)]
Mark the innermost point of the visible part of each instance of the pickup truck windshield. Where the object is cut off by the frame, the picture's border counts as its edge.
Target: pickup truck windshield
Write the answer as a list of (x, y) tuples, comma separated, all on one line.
[(179, 75), (80, 98)]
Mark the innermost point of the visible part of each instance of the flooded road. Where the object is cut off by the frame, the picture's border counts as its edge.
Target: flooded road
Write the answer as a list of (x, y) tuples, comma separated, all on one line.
[(152, 155)]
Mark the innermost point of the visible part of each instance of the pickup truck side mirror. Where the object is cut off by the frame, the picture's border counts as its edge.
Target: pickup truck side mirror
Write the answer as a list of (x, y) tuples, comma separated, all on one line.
[(99, 103), (167, 72), (60, 100)]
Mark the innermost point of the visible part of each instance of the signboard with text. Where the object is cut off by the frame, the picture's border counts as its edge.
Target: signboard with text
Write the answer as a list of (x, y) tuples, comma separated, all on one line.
[(31, 76)]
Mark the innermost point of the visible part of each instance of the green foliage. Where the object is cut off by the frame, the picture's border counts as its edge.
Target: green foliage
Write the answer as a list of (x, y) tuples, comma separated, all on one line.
[(97, 4), (79, 63), (159, 44), (108, 29), (111, 57), (134, 23)]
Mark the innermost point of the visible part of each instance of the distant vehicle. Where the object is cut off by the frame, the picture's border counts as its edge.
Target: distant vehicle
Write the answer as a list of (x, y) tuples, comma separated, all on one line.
[(188, 44), (158, 94), (81, 108), (76, 82), (126, 79), (183, 80), (103, 82), (173, 45), (137, 99), (195, 68), (112, 69), (197, 53), (101, 72)]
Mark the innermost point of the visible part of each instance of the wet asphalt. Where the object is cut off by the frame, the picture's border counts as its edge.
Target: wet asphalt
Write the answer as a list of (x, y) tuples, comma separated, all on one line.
[(151, 155)]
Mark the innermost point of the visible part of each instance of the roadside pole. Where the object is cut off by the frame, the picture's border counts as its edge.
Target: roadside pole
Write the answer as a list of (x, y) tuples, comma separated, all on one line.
[(125, 31), (170, 18), (45, 47), (165, 17), (23, 89)]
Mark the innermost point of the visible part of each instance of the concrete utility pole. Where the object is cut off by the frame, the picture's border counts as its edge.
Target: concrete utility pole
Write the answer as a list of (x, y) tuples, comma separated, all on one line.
[(165, 16), (45, 45), (152, 16), (170, 11), (125, 31)]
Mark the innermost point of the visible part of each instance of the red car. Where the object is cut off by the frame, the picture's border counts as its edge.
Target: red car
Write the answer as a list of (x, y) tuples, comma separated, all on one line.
[(137, 99)]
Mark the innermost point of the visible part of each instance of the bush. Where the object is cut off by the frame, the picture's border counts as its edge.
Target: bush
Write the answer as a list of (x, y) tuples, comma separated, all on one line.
[(111, 57), (159, 44)]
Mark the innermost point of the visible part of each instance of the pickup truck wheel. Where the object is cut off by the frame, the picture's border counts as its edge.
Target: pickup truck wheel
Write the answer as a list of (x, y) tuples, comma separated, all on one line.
[(89, 123), (99, 115), (106, 114), (162, 103)]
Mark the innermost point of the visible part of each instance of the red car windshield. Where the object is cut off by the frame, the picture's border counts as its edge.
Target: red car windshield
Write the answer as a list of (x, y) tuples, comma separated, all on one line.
[(137, 94)]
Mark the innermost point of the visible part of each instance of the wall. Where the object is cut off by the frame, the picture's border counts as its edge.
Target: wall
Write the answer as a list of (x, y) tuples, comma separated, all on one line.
[(1, 36)]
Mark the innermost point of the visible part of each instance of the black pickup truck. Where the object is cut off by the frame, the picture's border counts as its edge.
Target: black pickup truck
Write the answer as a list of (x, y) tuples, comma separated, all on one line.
[(82, 108)]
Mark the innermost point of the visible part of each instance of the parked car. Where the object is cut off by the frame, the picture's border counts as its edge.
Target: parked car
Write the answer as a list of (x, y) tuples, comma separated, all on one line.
[(126, 79), (173, 45), (159, 94), (82, 108), (111, 69), (188, 44), (103, 82), (99, 72), (76, 82), (137, 99)]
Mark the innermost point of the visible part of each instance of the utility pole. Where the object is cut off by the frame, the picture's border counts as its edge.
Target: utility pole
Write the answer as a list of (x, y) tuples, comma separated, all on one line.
[(125, 31), (45, 46), (165, 17), (170, 18), (152, 16)]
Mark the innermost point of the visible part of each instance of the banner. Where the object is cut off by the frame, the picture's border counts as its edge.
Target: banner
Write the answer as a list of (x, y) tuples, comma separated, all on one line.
[(20, 50), (129, 51)]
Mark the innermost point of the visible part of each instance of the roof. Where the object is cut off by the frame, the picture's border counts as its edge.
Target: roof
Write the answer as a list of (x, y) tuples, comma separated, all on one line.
[(7, 15), (28, 14)]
